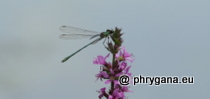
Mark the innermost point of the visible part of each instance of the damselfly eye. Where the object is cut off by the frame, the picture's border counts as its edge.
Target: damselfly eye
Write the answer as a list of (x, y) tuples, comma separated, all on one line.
[(110, 31)]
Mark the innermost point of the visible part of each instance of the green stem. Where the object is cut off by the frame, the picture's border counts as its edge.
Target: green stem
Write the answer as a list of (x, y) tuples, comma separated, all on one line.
[(113, 64)]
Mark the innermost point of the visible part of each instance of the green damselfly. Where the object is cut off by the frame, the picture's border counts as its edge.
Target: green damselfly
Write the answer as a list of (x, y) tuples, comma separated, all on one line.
[(77, 33)]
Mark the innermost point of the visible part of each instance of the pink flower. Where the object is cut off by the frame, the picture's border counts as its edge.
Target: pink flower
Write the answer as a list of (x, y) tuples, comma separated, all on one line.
[(100, 60), (123, 55), (123, 65), (113, 77), (126, 71), (102, 74), (125, 89), (116, 94), (102, 92)]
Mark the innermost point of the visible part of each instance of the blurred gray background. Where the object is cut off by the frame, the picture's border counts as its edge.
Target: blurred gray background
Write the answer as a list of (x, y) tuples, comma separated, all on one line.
[(167, 37)]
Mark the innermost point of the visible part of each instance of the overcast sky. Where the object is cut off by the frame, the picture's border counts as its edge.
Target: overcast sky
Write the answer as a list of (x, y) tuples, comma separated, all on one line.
[(167, 38)]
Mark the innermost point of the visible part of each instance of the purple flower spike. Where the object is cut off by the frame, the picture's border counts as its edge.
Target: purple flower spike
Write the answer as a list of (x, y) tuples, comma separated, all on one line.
[(111, 72)]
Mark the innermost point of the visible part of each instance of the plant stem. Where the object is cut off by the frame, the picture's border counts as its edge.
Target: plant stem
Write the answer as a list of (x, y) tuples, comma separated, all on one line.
[(113, 64)]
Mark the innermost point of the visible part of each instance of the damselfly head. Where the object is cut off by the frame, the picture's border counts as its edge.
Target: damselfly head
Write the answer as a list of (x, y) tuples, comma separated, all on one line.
[(109, 31)]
